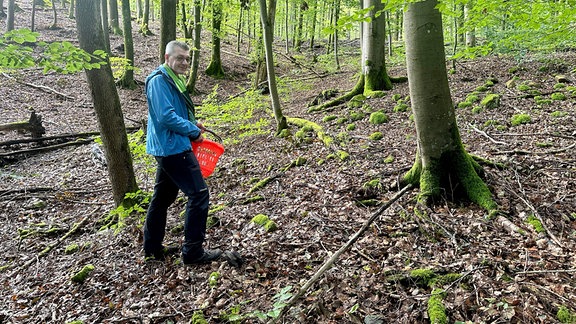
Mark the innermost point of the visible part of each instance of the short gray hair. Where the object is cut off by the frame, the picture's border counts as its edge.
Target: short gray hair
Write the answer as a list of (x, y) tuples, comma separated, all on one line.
[(172, 44)]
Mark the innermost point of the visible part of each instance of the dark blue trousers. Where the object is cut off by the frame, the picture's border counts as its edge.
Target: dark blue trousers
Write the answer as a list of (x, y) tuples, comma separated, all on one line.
[(178, 172)]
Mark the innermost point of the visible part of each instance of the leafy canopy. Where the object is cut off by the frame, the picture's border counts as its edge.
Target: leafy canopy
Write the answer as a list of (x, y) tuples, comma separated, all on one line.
[(21, 49)]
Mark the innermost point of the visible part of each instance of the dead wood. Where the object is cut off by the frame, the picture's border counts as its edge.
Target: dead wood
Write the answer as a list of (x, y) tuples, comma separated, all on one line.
[(33, 125), (46, 148), (51, 247), (41, 87), (292, 301)]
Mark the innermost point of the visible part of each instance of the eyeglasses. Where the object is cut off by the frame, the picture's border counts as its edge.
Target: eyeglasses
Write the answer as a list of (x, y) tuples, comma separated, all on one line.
[(181, 59)]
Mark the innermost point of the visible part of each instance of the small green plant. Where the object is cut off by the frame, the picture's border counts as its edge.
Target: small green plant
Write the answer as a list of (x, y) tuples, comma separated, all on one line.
[(464, 104), (72, 248), (329, 118), (472, 98), (351, 127), (378, 117), (81, 275), (396, 97), (264, 221), (477, 109), (523, 87), (559, 86), (536, 224), (491, 101), (400, 106), (374, 183), (519, 119), (564, 315), (355, 116), (213, 279), (280, 300)]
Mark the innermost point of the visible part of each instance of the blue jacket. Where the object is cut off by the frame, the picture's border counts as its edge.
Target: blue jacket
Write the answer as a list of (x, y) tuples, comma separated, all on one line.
[(169, 129)]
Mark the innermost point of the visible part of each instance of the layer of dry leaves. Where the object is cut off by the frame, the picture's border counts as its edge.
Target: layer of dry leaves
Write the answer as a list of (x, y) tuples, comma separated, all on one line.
[(507, 276)]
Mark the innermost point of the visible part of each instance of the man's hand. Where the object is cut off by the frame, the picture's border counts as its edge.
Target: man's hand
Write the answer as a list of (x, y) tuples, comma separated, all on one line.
[(201, 126)]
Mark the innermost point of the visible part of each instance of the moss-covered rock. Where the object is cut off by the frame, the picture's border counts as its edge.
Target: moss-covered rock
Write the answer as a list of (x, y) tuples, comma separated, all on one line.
[(260, 219), (376, 136), (378, 117)]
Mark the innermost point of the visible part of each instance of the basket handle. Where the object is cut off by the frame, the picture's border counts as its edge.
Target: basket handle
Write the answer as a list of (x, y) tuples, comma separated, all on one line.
[(214, 134)]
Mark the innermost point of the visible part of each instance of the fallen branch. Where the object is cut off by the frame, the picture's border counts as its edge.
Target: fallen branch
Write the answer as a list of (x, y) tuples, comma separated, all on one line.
[(547, 271), (41, 87), (487, 136), (562, 150), (51, 247), (46, 148), (292, 301)]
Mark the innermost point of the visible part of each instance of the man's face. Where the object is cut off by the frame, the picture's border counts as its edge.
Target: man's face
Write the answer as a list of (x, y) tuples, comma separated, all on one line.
[(179, 62)]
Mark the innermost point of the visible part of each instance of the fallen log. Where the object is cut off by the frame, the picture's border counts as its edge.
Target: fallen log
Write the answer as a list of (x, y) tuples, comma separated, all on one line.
[(33, 125)]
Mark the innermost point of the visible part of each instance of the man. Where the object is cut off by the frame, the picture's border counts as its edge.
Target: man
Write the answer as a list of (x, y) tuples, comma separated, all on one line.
[(171, 127)]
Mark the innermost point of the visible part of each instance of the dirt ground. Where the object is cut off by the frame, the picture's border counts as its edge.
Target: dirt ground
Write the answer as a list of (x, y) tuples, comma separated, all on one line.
[(511, 271)]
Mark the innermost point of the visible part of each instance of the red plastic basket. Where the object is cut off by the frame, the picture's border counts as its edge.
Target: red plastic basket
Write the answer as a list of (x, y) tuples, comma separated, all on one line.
[(207, 153)]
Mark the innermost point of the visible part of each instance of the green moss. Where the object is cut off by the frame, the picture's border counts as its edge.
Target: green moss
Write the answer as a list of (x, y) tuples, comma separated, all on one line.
[(401, 107), (374, 94), (376, 136), (351, 127), (396, 97), (544, 144), (539, 100), (76, 322), (464, 104), (523, 87), (341, 120), (285, 133), (81, 276), (374, 183), (436, 309), (198, 318), (212, 221), (388, 159), (216, 209), (260, 184), (477, 109), (329, 118), (482, 88), (446, 279), (213, 279), (356, 115), (422, 276), (357, 101), (378, 117), (559, 86), (260, 219), (472, 98), (519, 119), (536, 224), (343, 155), (558, 114), (270, 226), (72, 248), (491, 101), (558, 96), (491, 122), (564, 315)]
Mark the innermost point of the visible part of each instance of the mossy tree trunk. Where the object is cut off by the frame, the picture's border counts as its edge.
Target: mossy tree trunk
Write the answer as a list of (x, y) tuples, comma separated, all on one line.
[(268, 37), (2, 13), (374, 78), (167, 25), (127, 80), (71, 9), (104, 18), (215, 67), (106, 104), (144, 30), (442, 164)]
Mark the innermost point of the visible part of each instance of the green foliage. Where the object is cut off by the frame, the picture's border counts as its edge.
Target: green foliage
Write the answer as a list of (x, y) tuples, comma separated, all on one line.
[(237, 114), (213, 279), (120, 65), (17, 51), (536, 224), (558, 114), (135, 203), (279, 299), (198, 318), (519, 119)]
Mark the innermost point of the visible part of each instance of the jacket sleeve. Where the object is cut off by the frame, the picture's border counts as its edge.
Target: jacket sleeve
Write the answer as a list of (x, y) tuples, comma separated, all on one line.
[(162, 108)]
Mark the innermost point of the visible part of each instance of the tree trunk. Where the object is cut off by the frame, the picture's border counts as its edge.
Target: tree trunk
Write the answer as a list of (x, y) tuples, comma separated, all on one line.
[(10, 16), (167, 25), (139, 11), (144, 30), (127, 80), (470, 34), (313, 28), (71, 9), (106, 104), (286, 20), (33, 20), (268, 36), (441, 163), (215, 67), (298, 34), (104, 17), (191, 85), (374, 50), (239, 31), (336, 17), (2, 13), (113, 18), (187, 30), (55, 16)]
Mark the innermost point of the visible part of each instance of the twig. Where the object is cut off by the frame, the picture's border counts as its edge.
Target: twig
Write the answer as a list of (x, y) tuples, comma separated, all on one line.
[(538, 153), (337, 254), (41, 87), (58, 241), (47, 148), (487, 136), (547, 271)]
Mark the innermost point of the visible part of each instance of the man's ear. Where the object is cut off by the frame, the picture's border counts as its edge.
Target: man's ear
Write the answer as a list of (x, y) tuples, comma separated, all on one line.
[(166, 57)]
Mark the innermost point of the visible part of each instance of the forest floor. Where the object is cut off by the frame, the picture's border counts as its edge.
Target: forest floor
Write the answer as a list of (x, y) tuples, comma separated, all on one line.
[(511, 270)]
